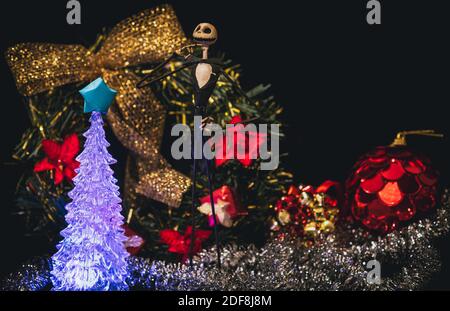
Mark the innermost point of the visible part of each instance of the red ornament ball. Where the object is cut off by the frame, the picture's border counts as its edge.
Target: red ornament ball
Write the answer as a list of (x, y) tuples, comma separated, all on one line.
[(390, 186)]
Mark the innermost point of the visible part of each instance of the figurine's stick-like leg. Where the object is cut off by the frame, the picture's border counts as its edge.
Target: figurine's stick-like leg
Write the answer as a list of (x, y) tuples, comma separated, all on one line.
[(194, 175), (213, 209)]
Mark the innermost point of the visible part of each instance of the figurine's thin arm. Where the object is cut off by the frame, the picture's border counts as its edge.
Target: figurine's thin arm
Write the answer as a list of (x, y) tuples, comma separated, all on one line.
[(188, 47), (154, 70), (141, 83), (236, 85), (161, 65), (169, 59)]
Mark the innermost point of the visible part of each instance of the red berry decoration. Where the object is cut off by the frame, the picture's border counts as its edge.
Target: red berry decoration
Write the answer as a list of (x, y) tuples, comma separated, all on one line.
[(391, 184)]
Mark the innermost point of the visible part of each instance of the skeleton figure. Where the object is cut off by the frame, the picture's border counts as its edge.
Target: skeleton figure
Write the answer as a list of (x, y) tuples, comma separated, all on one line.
[(205, 73)]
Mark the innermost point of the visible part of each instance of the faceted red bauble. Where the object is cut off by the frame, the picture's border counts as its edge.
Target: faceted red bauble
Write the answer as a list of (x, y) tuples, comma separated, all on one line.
[(390, 185)]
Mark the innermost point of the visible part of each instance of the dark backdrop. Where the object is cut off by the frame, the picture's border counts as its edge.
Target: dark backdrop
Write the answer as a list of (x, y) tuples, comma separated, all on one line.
[(346, 86)]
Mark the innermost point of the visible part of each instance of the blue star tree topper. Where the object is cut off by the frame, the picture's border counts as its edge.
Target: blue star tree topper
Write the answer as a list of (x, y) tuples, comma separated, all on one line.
[(98, 96)]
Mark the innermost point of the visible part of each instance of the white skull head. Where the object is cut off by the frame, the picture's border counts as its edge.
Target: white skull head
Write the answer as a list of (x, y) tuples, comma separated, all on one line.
[(205, 33)]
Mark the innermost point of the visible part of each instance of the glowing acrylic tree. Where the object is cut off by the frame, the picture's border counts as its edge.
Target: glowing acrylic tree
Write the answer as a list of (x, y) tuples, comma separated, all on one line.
[(92, 255)]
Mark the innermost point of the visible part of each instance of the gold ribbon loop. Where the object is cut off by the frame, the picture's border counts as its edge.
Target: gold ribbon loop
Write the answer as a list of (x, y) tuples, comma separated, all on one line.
[(149, 36), (137, 118), (38, 67)]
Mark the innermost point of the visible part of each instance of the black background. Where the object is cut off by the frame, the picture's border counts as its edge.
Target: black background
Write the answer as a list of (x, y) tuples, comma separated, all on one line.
[(345, 86)]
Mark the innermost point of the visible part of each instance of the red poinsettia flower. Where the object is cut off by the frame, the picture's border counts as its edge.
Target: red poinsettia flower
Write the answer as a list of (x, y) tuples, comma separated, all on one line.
[(180, 244), (60, 158), (245, 140)]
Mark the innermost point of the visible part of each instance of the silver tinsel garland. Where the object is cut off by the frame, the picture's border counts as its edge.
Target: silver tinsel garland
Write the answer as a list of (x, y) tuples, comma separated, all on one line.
[(336, 261)]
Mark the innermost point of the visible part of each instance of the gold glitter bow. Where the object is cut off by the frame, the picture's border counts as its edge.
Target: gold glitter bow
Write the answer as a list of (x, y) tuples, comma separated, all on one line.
[(137, 118)]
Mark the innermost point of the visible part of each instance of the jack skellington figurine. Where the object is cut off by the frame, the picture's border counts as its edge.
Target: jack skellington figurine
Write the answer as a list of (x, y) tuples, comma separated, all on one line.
[(205, 73)]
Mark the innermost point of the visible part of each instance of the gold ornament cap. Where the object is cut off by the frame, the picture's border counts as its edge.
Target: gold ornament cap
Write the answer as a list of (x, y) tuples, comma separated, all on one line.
[(400, 139)]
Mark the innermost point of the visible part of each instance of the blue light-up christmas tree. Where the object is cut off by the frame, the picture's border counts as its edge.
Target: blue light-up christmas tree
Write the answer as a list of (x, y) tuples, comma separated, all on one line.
[(92, 255)]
